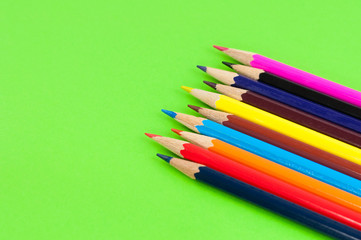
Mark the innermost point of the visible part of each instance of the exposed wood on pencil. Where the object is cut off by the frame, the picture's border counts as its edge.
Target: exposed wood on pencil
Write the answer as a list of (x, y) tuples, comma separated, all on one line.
[(264, 199)]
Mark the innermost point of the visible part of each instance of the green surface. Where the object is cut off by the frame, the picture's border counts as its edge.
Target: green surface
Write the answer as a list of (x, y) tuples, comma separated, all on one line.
[(81, 81)]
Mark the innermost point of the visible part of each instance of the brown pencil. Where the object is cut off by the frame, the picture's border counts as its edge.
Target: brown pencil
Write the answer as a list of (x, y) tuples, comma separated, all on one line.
[(282, 141)]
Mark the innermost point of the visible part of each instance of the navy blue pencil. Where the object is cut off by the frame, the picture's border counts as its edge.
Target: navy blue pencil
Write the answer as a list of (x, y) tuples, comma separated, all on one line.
[(236, 80), (261, 198)]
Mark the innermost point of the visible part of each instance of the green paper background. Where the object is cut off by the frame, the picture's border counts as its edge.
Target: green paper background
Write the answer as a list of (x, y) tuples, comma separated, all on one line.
[(81, 81)]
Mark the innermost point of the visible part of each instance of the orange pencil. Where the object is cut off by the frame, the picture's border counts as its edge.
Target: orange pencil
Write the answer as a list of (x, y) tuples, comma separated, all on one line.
[(275, 170)]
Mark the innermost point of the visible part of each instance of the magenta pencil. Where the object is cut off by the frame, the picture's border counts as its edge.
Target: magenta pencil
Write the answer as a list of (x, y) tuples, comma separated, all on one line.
[(295, 75)]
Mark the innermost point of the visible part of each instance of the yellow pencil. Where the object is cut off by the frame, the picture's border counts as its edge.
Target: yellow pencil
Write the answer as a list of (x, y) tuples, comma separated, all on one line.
[(291, 129)]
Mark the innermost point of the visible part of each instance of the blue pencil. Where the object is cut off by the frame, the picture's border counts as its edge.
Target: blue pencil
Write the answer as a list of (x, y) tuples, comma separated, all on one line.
[(235, 80), (268, 151), (261, 198)]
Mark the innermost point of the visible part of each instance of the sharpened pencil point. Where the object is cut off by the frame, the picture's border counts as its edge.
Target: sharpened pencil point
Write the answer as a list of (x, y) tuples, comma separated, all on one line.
[(204, 69), (195, 108), (164, 157), (188, 89), (220, 48), (211, 84), (177, 131), (152, 135), (228, 64), (169, 113)]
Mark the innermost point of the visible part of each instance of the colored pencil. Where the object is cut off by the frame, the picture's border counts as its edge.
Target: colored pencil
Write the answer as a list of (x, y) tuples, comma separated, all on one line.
[(285, 97), (301, 133), (263, 199), (346, 212), (268, 151), (295, 75), (261, 164), (295, 88), (282, 141), (289, 113)]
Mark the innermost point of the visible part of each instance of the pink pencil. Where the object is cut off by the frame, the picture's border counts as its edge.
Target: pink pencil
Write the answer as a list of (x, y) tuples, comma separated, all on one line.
[(295, 75)]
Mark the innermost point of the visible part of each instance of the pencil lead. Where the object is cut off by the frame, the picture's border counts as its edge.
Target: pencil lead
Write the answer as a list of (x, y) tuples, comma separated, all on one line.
[(177, 131), (204, 69), (164, 157), (211, 84), (188, 89), (169, 113), (228, 64), (220, 48), (195, 108), (152, 135)]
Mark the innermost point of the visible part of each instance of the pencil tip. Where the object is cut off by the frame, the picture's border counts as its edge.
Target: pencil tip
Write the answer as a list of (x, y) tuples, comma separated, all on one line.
[(211, 84), (177, 131), (204, 69), (195, 108), (169, 113), (164, 157), (188, 89), (152, 135), (220, 48), (228, 64)]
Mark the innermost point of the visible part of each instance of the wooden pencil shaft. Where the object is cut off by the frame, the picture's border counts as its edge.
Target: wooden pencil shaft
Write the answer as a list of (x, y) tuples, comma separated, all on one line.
[(346, 210), (282, 157), (230, 167), (281, 125), (262, 198), (340, 131), (293, 74), (289, 113)]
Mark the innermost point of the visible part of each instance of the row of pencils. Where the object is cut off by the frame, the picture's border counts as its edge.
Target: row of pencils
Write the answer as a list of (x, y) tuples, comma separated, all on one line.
[(282, 138)]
